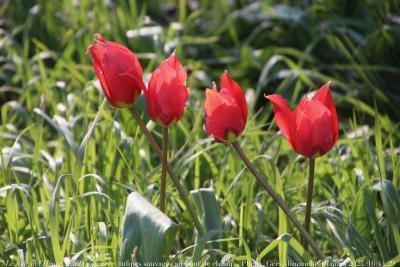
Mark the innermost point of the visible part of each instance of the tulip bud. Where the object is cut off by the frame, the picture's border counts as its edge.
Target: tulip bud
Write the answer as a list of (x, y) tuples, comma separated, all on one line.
[(119, 72), (312, 129), (167, 93), (226, 111)]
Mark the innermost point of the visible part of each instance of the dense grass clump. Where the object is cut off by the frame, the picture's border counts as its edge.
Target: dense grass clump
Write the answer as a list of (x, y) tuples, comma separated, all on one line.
[(68, 160)]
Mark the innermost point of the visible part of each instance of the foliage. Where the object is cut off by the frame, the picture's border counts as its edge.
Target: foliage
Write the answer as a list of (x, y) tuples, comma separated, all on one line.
[(69, 162)]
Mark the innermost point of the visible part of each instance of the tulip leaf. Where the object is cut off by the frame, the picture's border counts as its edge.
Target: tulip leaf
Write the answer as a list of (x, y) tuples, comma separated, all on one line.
[(208, 206), (147, 234), (359, 214), (391, 203), (209, 210), (370, 205), (379, 145)]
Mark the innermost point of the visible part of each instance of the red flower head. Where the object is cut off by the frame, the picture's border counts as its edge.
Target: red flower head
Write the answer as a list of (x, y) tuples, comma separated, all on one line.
[(226, 111), (312, 129), (167, 93), (119, 72)]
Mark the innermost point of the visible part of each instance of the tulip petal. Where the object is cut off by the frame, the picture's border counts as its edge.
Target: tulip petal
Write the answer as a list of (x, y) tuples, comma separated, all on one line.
[(172, 99), (100, 74), (175, 64), (213, 101), (236, 93), (301, 139), (223, 118), (118, 70), (282, 113), (324, 95), (167, 93), (313, 132), (322, 134)]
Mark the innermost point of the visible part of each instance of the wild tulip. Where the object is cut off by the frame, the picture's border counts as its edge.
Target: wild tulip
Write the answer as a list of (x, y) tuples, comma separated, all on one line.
[(167, 93), (119, 72), (226, 117), (166, 96), (312, 129), (121, 79), (226, 111)]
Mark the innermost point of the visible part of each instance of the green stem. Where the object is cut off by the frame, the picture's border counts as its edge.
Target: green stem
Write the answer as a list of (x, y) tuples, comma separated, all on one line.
[(164, 167), (309, 198), (278, 200), (181, 190)]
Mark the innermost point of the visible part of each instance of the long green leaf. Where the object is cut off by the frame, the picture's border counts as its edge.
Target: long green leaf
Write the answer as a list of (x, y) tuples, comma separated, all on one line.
[(391, 203), (147, 234), (208, 208), (379, 146)]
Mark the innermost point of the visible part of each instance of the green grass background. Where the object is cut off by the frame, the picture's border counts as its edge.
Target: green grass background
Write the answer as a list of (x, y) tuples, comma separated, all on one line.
[(62, 196)]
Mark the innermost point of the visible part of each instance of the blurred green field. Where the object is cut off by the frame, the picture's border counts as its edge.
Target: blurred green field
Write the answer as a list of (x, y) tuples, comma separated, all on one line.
[(68, 160)]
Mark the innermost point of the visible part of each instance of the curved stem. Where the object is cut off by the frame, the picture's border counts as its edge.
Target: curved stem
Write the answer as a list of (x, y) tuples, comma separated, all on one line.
[(278, 200), (309, 198), (181, 190), (164, 167)]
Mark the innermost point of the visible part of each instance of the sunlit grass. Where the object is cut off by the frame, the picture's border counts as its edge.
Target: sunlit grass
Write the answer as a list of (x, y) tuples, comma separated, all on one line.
[(68, 162)]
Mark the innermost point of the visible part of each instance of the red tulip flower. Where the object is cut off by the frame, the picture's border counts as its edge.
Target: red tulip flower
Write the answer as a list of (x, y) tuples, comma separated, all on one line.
[(312, 129), (226, 111), (167, 93), (119, 72)]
